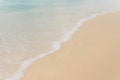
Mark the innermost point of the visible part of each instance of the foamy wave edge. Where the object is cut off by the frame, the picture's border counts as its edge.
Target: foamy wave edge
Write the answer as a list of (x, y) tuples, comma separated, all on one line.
[(19, 75)]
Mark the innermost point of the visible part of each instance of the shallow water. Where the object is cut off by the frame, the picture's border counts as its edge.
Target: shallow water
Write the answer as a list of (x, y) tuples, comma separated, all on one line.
[(30, 27)]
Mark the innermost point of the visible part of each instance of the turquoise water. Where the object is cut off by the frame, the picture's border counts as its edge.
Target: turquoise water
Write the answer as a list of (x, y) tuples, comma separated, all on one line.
[(29, 28), (23, 5), (17, 5)]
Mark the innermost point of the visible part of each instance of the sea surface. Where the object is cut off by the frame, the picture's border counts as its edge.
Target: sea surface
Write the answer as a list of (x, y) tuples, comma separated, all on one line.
[(32, 29)]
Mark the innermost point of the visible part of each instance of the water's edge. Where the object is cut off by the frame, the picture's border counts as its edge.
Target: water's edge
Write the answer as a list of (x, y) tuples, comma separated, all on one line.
[(56, 46)]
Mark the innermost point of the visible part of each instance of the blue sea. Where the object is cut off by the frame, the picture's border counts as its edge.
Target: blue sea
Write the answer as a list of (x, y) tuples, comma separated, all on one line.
[(32, 29)]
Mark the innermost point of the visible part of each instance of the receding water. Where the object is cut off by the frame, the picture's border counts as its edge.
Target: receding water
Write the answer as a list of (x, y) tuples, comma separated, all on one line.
[(29, 28)]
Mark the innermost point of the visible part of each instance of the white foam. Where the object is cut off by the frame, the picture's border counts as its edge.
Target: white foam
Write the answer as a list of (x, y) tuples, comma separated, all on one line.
[(56, 46)]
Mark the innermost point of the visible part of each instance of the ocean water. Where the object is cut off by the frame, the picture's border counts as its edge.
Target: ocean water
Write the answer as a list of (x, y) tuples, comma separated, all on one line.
[(32, 29)]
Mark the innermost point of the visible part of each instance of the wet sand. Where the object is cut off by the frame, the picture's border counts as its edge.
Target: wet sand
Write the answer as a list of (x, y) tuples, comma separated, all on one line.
[(93, 53)]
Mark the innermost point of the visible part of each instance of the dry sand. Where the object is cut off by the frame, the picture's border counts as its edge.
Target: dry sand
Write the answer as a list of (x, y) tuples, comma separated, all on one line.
[(93, 53)]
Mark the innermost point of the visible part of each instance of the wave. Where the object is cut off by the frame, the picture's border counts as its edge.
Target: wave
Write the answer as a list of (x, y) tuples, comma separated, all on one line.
[(56, 45)]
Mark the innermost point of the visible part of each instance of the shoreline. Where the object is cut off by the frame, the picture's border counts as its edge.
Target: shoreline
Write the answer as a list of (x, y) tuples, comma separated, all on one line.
[(52, 55), (27, 64)]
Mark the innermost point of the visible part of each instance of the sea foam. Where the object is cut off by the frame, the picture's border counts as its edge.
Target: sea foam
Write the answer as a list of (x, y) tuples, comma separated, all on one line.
[(56, 46), (31, 30)]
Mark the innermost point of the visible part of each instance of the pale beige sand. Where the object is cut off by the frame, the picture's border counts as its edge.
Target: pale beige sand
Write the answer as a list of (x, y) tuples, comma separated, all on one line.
[(92, 54)]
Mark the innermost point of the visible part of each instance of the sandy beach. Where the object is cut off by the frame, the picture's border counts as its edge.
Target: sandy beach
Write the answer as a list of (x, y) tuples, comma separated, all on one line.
[(93, 53)]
